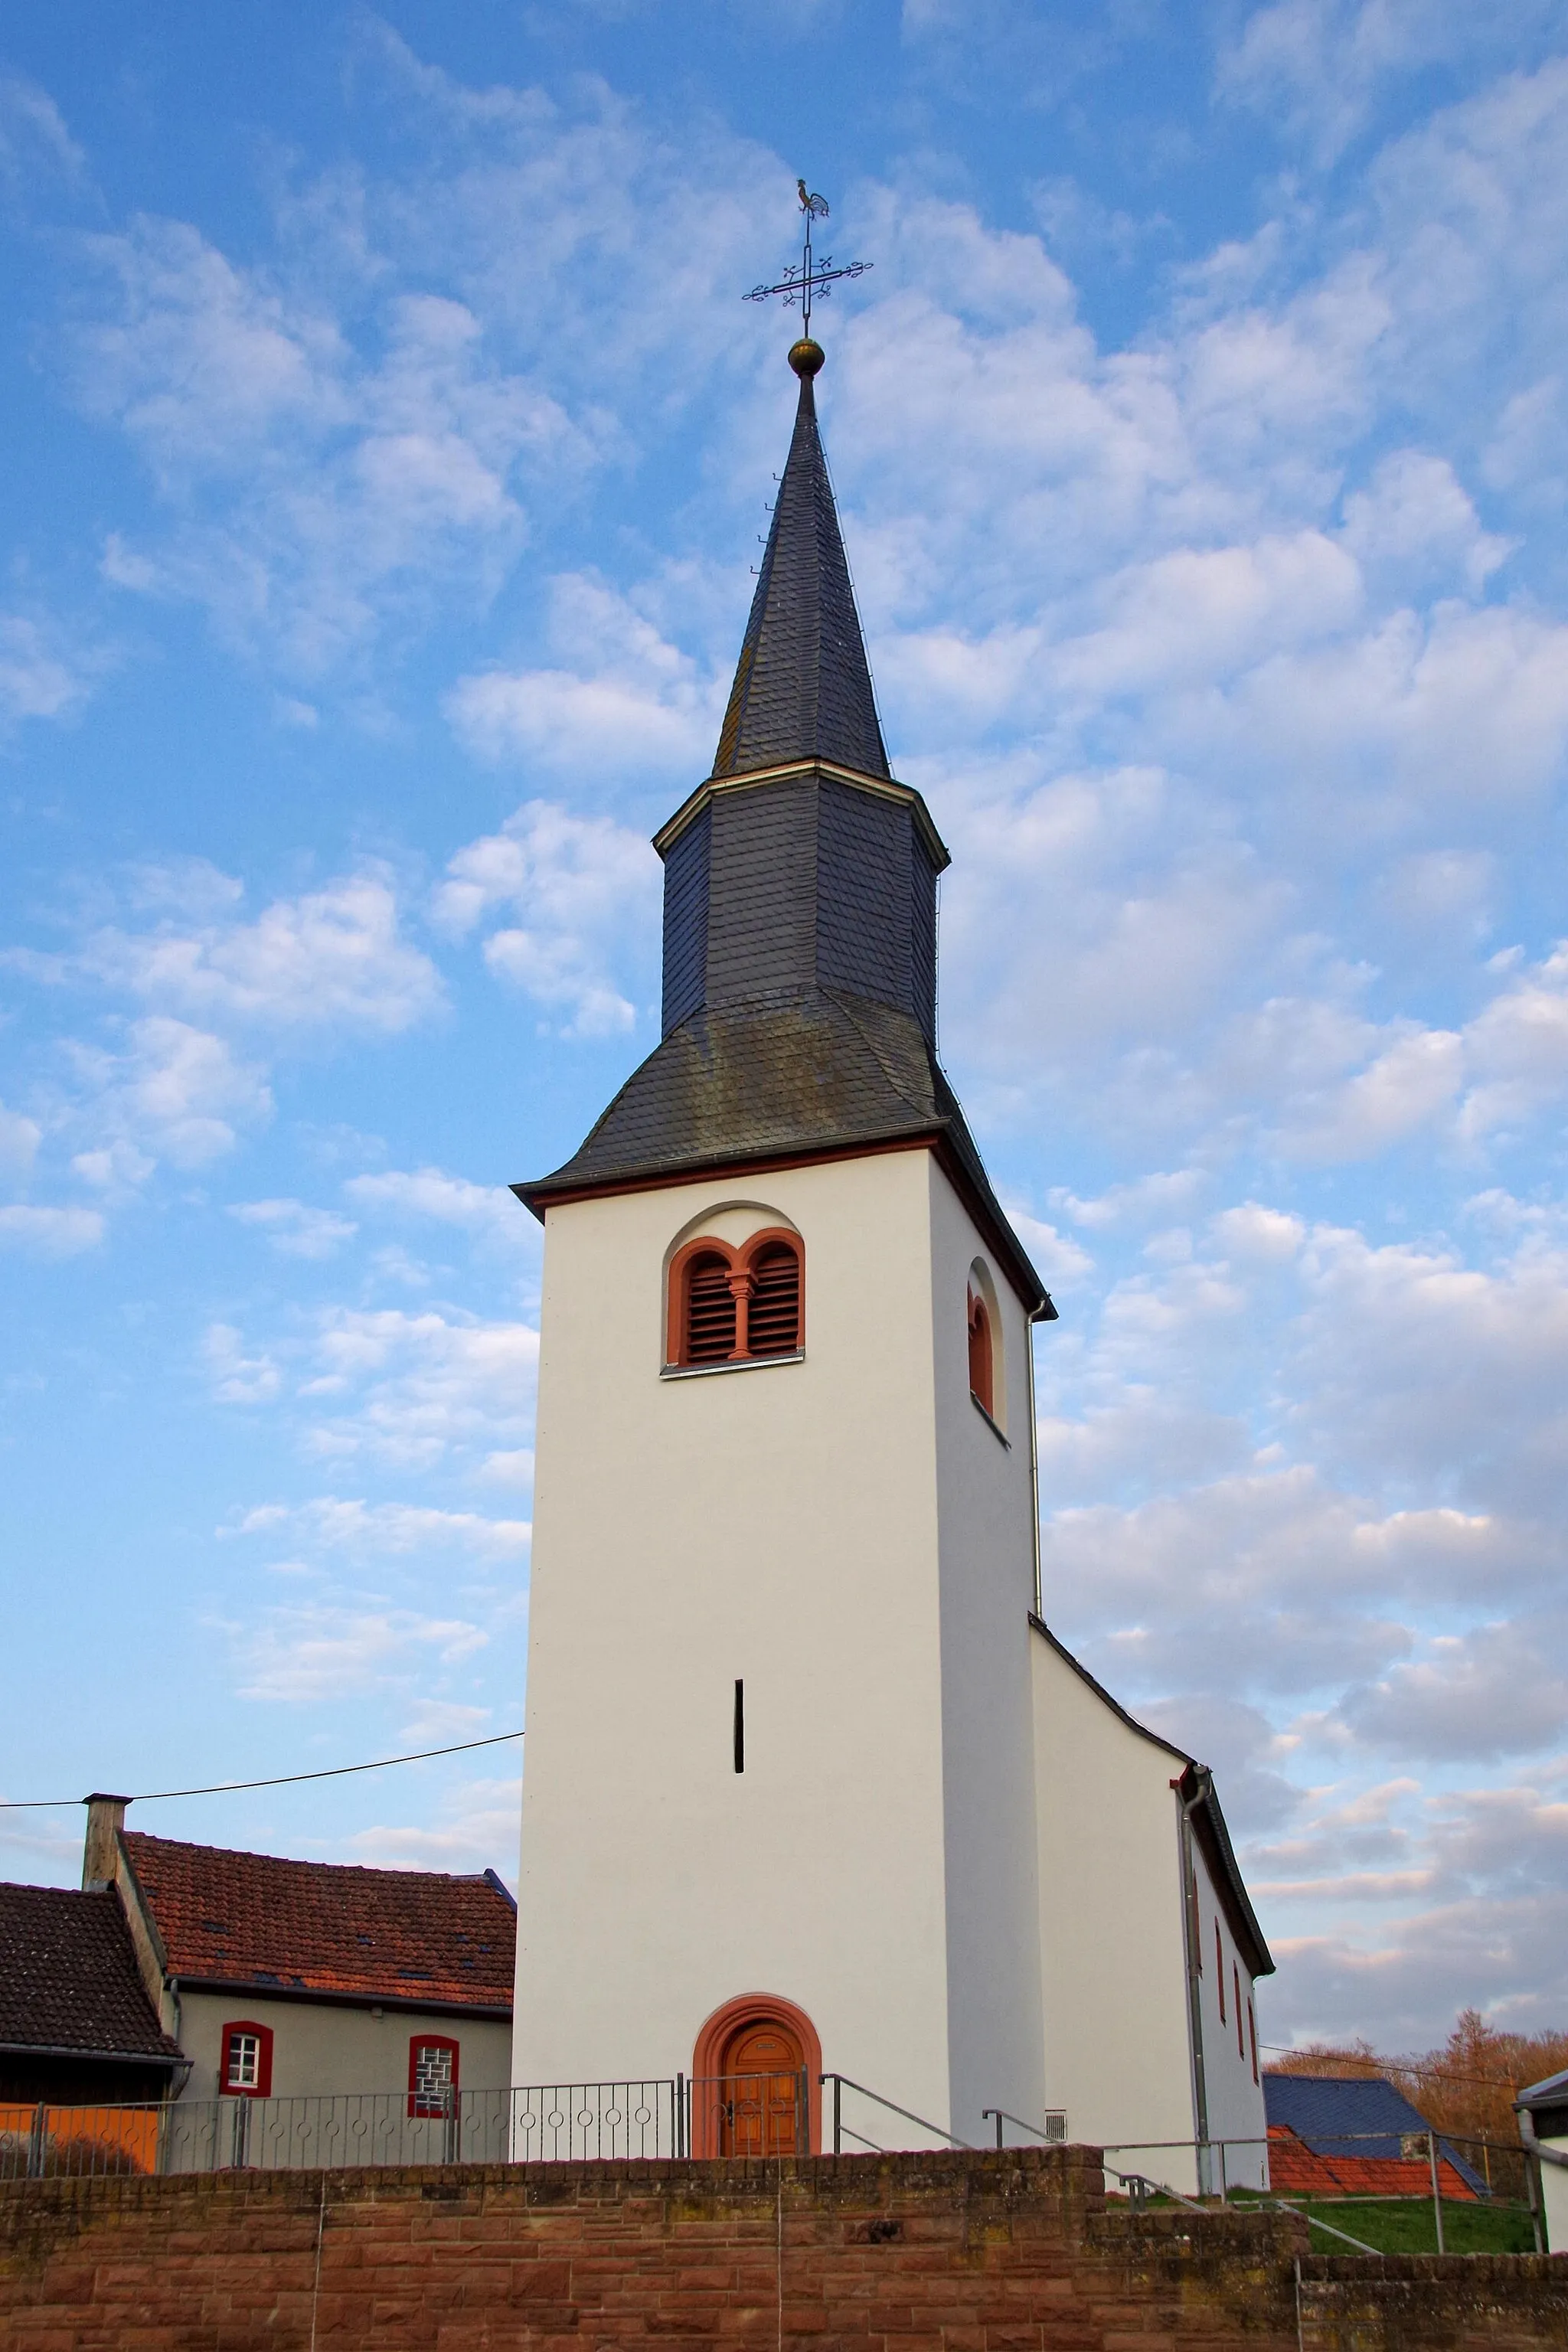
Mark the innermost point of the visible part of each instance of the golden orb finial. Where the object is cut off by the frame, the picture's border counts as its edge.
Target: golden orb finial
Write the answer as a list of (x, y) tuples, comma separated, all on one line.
[(806, 357)]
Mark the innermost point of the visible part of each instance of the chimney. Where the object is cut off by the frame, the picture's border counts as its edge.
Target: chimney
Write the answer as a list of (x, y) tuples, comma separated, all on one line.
[(105, 1820)]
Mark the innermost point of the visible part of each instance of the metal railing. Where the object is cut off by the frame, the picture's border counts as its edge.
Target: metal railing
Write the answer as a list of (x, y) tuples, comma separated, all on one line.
[(541, 2122), (1053, 2131), (842, 2131), (1218, 2176)]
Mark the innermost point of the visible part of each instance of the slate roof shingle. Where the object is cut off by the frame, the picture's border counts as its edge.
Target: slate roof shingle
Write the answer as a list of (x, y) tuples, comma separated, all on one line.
[(818, 1070), (1353, 2119), (68, 1979), (803, 686), (417, 1937)]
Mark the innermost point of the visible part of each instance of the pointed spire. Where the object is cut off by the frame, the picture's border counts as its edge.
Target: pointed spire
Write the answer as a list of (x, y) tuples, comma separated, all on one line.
[(802, 687)]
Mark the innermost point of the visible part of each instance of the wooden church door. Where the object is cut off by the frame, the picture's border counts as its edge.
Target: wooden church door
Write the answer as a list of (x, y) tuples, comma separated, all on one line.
[(760, 2089)]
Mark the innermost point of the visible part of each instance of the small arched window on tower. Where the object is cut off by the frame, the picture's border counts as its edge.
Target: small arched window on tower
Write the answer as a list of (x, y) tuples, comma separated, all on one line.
[(984, 1346), (735, 1304)]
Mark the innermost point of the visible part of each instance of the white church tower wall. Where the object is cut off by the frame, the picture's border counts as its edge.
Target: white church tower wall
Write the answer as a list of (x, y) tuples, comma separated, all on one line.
[(803, 1791)]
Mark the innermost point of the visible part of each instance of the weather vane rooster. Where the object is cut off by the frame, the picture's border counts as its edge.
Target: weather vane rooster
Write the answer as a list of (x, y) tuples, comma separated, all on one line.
[(814, 275)]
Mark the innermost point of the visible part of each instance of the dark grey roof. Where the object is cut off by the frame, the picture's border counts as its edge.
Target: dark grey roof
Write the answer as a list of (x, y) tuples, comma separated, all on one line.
[(769, 1078), (1350, 2116), (802, 687), (68, 1980)]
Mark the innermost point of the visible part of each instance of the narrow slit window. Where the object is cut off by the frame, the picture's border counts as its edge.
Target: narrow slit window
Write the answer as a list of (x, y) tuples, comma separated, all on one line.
[(740, 1726), (1241, 2037), (1252, 2035), (1219, 1968)]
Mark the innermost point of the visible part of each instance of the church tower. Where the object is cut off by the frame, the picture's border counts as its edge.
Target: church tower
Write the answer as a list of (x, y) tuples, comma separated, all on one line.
[(781, 1793)]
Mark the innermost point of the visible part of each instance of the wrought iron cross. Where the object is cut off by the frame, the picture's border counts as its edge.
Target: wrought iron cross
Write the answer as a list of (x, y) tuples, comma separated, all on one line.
[(813, 276)]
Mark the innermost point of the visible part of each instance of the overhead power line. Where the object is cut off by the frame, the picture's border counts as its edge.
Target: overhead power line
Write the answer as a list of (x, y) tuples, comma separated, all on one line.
[(279, 1781)]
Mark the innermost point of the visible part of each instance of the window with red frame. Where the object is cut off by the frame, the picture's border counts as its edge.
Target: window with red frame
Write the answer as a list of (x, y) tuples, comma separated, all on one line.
[(432, 2074), (1252, 2036), (1219, 1968), (735, 1305), (245, 2065), (982, 1373), (1240, 2038)]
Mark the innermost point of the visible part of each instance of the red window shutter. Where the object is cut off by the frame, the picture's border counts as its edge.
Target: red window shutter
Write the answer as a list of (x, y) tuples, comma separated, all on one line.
[(245, 2060), (774, 1323), (710, 1319), (432, 2074), (980, 1352)]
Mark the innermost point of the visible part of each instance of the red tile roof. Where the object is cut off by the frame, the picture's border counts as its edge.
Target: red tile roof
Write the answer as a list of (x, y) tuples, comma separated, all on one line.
[(417, 1937), (1296, 2170)]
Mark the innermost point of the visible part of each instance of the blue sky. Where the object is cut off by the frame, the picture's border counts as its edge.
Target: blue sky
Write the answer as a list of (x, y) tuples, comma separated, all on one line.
[(389, 445)]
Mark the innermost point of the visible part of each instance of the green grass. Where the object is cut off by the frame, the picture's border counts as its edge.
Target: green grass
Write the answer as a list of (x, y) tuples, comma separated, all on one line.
[(1404, 2225)]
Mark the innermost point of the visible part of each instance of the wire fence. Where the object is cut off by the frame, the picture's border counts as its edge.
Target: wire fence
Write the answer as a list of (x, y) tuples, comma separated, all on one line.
[(766, 2114), (541, 2122)]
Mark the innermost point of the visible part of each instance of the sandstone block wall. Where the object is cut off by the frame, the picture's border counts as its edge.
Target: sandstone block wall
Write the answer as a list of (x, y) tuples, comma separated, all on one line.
[(946, 2252)]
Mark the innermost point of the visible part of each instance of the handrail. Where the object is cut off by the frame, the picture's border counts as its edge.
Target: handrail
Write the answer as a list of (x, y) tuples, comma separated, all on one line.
[(1163, 2188), (843, 2083), (1004, 2115)]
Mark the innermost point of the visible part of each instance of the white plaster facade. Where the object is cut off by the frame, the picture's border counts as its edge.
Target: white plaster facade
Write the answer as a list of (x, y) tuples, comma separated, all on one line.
[(1554, 2195), (321, 2048), (946, 1846)]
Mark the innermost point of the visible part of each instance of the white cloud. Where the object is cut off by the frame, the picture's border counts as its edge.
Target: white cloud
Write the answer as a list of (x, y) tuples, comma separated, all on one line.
[(19, 1140), (629, 700), (489, 1212), (365, 1529), (294, 1228), (236, 1378), (50, 1232), (326, 1651), (331, 958), (475, 1826), (175, 1091), (575, 886), (39, 679), (316, 486), (1496, 1691)]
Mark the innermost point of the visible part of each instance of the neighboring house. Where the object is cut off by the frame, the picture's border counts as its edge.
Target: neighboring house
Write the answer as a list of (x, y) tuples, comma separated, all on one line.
[(77, 2027), (1542, 2112), (1331, 2135), (280, 1979)]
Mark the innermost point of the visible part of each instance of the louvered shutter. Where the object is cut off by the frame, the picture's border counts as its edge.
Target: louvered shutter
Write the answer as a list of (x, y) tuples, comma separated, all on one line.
[(775, 1319), (710, 1332)]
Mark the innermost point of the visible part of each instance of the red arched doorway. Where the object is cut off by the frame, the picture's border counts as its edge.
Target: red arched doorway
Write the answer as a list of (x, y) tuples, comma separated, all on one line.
[(756, 2086)]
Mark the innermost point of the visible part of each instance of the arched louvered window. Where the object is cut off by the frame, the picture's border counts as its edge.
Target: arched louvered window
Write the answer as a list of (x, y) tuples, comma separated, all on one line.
[(708, 1333), (736, 1306), (981, 1376), (773, 1310)]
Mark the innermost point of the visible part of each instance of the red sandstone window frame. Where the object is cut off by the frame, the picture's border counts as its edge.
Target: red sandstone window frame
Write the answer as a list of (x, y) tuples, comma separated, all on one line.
[(1219, 1968), (1252, 2034), (740, 1259), (417, 2042), (262, 2086), (1240, 2036)]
